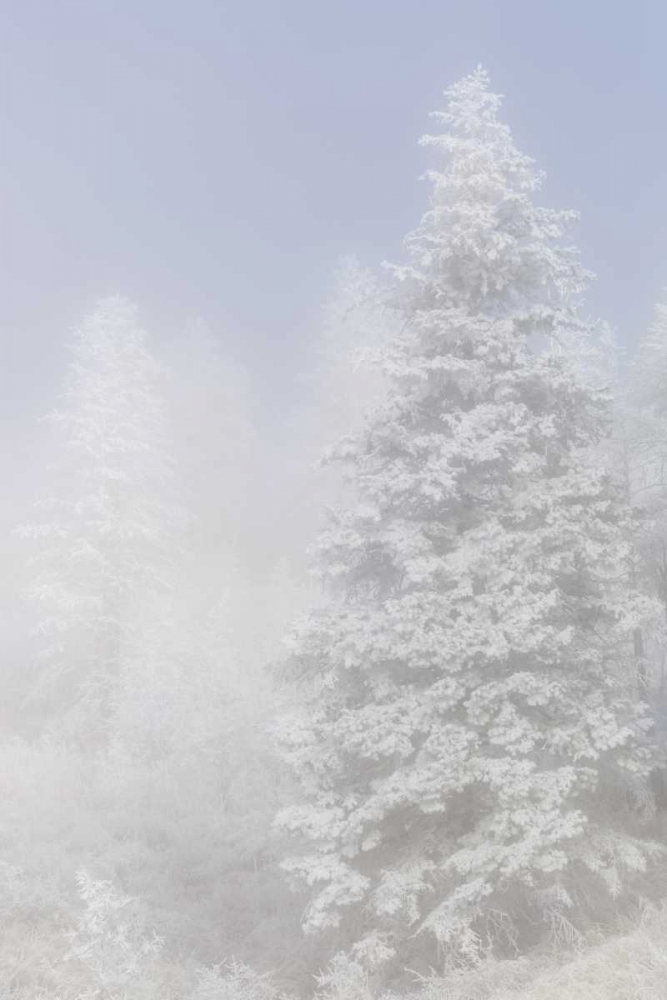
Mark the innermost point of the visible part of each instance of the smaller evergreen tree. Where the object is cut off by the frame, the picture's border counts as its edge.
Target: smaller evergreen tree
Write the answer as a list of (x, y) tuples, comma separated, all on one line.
[(647, 447), (356, 325), (341, 386), (102, 535), (214, 441), (642, 435)]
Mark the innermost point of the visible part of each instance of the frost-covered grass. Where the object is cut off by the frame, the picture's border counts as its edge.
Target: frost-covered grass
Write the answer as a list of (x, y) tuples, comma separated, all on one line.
[(69, 938), (105, 951), (197, 865), (631, 966)]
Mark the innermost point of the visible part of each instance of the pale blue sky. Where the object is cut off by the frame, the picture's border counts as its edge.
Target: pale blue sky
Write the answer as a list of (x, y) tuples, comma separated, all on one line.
[(215, 157)]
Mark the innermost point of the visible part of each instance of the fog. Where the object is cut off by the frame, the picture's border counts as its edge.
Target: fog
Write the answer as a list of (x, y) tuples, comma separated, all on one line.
[(333, 604)]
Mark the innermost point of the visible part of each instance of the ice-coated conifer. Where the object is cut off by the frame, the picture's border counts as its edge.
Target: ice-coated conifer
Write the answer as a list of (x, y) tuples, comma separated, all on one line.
[(473, 719)]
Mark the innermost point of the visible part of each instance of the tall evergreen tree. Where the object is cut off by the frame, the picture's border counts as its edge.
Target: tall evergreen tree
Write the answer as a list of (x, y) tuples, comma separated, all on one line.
[(471, 723), (102, 535)]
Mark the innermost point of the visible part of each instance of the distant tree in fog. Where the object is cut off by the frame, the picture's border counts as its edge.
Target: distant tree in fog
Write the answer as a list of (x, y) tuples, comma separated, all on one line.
[(646, 433), (355, 324), (342, 385), (472, 726), (104, 530), (347, 382), (640, 458), (215, 447)]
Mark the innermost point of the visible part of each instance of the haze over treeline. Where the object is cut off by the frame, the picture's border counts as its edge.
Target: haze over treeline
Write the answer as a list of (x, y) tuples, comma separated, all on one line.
[(356, 688)]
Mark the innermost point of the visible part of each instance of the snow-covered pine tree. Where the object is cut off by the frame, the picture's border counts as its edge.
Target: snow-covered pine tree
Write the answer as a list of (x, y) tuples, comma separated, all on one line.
[(102, 535), (471, 722)]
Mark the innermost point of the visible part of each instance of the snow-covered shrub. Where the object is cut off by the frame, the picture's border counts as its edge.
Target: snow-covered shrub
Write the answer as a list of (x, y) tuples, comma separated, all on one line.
[(344, 979), (233, 981), (111, 938)]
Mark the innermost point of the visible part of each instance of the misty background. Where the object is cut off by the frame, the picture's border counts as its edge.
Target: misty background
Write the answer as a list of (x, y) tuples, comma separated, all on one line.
[(196, 202), (215, 159)]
